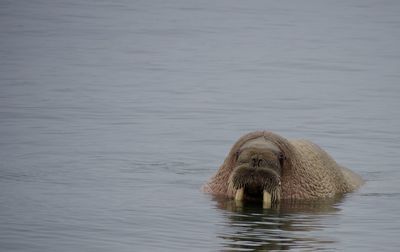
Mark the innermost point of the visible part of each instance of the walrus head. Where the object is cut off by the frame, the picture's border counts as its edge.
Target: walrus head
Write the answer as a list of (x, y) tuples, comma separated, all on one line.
[(257, 170)]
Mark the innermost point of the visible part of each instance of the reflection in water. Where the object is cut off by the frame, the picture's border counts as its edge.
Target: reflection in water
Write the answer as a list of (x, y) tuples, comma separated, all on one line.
[(287, 226)]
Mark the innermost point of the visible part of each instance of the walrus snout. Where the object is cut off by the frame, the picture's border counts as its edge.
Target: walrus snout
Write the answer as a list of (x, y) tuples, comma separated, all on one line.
[(244, 175), (254, 183)]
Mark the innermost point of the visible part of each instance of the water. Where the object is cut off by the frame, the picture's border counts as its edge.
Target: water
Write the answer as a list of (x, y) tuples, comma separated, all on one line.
[(113, 114)]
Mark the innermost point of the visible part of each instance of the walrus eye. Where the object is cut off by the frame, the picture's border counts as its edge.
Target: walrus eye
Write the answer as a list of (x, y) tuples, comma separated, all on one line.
[(281, 159), (237, 156)]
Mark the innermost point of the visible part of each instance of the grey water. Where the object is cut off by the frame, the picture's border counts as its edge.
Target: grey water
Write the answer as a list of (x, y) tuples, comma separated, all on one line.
[(113, 114)]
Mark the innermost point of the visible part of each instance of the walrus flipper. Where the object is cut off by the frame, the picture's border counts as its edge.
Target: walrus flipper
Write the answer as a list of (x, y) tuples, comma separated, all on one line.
[(353, 180)]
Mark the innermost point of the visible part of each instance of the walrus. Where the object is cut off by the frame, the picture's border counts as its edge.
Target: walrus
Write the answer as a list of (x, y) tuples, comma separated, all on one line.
[(263, 166)]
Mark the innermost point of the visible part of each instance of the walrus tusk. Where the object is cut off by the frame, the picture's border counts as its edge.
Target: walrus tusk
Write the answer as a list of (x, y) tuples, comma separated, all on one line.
[(266, 200), (239, 194)]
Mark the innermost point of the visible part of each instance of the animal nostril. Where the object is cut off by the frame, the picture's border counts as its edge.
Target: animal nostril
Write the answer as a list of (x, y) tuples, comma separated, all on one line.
[(260, 163)]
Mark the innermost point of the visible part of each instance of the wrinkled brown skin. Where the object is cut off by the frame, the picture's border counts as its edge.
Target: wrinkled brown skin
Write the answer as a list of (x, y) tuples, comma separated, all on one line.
[(308, 173)]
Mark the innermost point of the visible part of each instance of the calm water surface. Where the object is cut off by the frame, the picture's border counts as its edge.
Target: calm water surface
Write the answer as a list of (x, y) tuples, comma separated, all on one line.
[(114, 113)]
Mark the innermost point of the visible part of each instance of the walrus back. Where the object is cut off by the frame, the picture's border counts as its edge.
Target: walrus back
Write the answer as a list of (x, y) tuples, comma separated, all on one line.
[(321, 176)]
